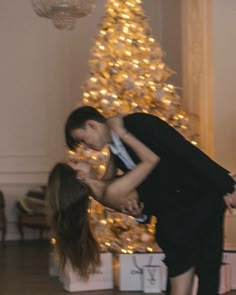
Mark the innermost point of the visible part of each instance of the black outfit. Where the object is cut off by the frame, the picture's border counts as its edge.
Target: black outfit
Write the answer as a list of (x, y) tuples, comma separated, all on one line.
[(185, 191)]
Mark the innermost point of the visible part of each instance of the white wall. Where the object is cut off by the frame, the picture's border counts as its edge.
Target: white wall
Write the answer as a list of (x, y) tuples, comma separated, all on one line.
[(224, 69), (31, 90), (224, 91), (171, 38)]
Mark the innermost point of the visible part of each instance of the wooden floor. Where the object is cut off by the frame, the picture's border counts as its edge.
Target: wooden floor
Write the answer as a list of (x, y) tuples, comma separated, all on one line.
[(24, 271)]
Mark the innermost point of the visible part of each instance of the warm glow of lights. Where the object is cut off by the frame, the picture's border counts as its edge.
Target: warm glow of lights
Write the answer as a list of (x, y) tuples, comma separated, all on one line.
[(149, 249), (122, 38), (117, 103), (161, 66), (104, 101), (102, 167), (105, 153), (167, 101), (125, 16), (126, 30), (70, 152), (129, 4), (128, 53), (103, 91), (93, 79), (53, 241), (170, 86)]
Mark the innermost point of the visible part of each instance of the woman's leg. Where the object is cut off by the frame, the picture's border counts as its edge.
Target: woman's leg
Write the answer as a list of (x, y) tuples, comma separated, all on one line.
[(182, 284)]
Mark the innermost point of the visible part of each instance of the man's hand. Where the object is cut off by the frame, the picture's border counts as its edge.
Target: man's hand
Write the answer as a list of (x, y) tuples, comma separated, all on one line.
[(132, 207), (230, 201)]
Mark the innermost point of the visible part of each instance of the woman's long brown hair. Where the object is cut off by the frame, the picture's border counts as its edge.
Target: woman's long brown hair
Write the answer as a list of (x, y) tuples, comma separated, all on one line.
[(68, 200)]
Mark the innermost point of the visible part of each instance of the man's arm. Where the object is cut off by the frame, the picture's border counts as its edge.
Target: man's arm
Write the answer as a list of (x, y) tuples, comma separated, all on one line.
[(153, 131)]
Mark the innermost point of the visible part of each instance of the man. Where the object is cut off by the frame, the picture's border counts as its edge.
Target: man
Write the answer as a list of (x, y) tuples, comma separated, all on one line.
[(185, 191)]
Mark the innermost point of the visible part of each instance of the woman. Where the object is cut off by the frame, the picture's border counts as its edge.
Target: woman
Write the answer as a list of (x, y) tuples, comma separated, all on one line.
[(69, 188)]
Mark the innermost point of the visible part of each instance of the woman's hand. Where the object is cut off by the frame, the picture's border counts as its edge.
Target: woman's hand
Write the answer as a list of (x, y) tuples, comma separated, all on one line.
[(117, 125)]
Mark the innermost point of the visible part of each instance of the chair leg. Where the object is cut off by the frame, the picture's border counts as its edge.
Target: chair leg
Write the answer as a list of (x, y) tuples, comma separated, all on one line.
[(41, 234), (4, 229), (20, 228), (3, 235)]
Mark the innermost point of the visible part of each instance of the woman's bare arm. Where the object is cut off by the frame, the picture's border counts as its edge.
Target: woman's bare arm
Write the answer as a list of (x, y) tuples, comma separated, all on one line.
[(117, 192), (111, 170)]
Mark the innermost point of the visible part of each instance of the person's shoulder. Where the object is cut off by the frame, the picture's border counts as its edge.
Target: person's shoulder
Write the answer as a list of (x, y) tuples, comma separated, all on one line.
[(141, 117)]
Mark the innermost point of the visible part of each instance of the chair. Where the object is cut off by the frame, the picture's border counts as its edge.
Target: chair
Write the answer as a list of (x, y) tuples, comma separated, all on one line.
[(3, 224), (38, 222), (32, 213)]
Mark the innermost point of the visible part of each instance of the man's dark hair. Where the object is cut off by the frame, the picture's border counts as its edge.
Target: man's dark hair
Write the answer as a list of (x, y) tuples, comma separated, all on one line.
[(77, 119)]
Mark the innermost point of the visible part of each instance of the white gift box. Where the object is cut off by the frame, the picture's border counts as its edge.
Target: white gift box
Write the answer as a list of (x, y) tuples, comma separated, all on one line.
[(152, 279), (225, 278), (101, 280), (230, 258), (130, 272)]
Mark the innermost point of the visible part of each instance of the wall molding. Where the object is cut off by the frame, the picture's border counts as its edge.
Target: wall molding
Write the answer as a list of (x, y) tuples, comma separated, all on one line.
[(197, 66)]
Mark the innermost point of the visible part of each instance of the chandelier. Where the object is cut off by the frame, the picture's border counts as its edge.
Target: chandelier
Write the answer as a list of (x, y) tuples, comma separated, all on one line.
[(63, 12)]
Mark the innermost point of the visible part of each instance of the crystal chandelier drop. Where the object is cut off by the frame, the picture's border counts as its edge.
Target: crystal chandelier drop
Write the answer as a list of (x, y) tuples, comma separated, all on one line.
[(63, 12)]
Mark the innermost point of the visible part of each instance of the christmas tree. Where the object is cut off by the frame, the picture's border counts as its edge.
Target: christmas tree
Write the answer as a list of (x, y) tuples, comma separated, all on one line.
[(127, 74)]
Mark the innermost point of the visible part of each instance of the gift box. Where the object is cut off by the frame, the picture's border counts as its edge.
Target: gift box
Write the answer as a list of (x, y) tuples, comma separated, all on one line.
[(230, 258), (131, 270), (101, 280), (225, 278)]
